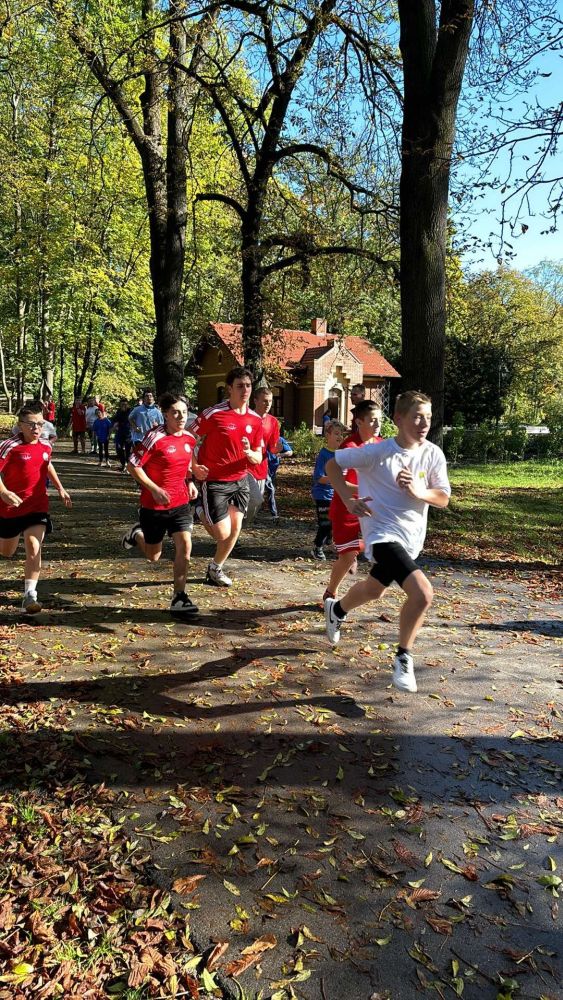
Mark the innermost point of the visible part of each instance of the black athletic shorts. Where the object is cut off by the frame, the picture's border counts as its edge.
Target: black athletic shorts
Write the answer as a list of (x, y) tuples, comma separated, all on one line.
[(12, 526), (158, 523), (391, 562), (216, 497)]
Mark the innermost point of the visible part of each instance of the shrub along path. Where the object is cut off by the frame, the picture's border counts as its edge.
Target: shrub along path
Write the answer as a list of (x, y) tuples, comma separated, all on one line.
[(192, 806)]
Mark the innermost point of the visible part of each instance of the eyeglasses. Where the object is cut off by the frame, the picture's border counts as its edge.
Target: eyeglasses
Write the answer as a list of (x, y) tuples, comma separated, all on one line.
[(33, 423)]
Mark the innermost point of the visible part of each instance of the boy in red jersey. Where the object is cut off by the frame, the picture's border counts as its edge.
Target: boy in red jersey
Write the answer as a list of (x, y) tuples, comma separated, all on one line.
[(160, 464), (25, 465), (231, 441), (257, 474), (78, 424), (346, 530)]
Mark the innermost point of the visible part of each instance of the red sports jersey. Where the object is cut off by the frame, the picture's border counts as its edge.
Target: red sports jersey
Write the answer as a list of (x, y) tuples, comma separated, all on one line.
[(78, 418), (337, 510), (23, 468), (167, 460), (222, 450), (271, 433)]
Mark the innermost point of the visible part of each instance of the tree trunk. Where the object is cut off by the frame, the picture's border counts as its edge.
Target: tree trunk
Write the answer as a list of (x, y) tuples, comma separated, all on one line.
[(433, 66), (253, 305)]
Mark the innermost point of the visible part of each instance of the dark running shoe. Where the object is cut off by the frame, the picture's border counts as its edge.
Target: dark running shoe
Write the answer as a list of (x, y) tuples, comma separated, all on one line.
[(181, 605)]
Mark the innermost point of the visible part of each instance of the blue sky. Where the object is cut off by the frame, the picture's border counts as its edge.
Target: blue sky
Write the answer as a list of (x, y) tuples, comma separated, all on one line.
[(534, 245)]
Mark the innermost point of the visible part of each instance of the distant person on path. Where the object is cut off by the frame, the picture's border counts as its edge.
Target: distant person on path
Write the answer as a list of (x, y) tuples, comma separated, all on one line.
[(322, 491), (274, 460), (48, 407), (161, 464), (357, 395), (25, 466), (78, 424), (122, 428), (91, 415), (346, 531), (144, 417), (231, 441), (398, 479), (258, 474), (101, 429)]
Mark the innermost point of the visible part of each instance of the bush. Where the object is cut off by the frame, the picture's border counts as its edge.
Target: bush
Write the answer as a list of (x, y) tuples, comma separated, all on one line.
[(7, 421), (506, 443), (305, 443)]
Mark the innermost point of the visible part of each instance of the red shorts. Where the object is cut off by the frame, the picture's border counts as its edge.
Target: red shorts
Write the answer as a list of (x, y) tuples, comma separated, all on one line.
[(347, 536)]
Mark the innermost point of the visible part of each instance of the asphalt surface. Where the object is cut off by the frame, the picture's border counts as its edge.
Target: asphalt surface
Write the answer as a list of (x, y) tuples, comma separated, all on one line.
[(317, 802)]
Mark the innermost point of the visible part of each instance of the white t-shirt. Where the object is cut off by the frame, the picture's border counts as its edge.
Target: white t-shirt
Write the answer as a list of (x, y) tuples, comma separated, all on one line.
[(91, 412), (397, 517)]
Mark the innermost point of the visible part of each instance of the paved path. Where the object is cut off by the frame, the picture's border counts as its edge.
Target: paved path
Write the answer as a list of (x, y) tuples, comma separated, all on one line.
[(376, 844)]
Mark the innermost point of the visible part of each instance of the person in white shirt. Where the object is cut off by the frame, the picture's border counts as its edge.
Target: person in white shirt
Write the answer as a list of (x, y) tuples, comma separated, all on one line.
[(398, 479)]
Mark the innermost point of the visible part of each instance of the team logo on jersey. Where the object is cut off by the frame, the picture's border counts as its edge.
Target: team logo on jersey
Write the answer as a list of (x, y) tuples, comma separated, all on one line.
[(231, 427), (45, 456), (187, 448), (26, 456), (171, 450), (248, 428)]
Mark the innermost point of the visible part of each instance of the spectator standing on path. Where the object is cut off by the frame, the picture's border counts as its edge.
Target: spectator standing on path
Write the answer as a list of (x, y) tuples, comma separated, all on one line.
[(346, 531), (144, 417), (231, 441), (25, 465), (122, 428), (91, 415), (258, 474), (322, 491), (78, 424), (161, 464), (274, 459), (398, 479), (357, 395), (101, 429)]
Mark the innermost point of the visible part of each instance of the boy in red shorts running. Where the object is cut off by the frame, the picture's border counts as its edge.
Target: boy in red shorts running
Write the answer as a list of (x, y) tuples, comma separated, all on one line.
[(25, 466), (346, 530)]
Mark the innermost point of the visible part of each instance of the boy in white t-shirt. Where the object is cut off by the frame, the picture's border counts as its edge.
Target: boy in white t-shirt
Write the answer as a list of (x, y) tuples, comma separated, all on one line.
[(398, 479)]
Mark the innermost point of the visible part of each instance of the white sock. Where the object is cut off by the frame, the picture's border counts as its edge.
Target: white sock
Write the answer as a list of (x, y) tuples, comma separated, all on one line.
[(30, 587), (216, 565)]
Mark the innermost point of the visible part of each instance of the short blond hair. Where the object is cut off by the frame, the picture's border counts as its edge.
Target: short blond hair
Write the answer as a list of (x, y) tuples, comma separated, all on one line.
[(407, 399), (335, 425)]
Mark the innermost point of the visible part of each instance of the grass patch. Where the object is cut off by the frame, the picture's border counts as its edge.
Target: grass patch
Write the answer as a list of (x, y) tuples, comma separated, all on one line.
[(508, 513)]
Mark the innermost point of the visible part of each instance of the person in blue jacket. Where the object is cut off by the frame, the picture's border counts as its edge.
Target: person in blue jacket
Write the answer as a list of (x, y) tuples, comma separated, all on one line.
[(322, 492), (101, 430), (274, 459)]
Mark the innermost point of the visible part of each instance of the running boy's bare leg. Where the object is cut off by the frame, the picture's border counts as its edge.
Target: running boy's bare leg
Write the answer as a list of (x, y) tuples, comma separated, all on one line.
[(340, 568), (183, 548), (33, 539), (419, 593)]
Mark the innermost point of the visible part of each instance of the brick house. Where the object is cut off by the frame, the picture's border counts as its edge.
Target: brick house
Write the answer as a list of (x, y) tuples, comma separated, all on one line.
[(310, 372)]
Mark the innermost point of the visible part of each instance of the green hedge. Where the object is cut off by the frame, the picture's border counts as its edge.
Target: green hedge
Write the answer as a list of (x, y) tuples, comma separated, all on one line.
[(503, 443)]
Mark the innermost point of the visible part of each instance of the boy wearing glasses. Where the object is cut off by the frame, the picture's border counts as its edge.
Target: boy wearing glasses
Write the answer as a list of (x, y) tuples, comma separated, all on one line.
[(25, 465)]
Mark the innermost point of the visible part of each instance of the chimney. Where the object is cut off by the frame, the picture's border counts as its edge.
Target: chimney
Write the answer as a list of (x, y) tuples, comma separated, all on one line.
[(318, 327)]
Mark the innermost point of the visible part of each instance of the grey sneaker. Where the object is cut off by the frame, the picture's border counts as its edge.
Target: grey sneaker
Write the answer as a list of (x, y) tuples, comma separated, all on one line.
[(217, 577), (181, 604), (318, 553), (128, 540), (332, 622), (30, 604), (403, 673)]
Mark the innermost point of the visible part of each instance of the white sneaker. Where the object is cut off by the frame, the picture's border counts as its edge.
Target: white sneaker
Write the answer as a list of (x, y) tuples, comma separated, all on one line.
[(403, 673), (216, 576), (30, 604), (332, 622), (128, 540)]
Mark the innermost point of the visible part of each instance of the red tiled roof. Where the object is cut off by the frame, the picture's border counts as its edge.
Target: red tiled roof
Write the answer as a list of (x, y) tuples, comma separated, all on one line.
[(290, 347)]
